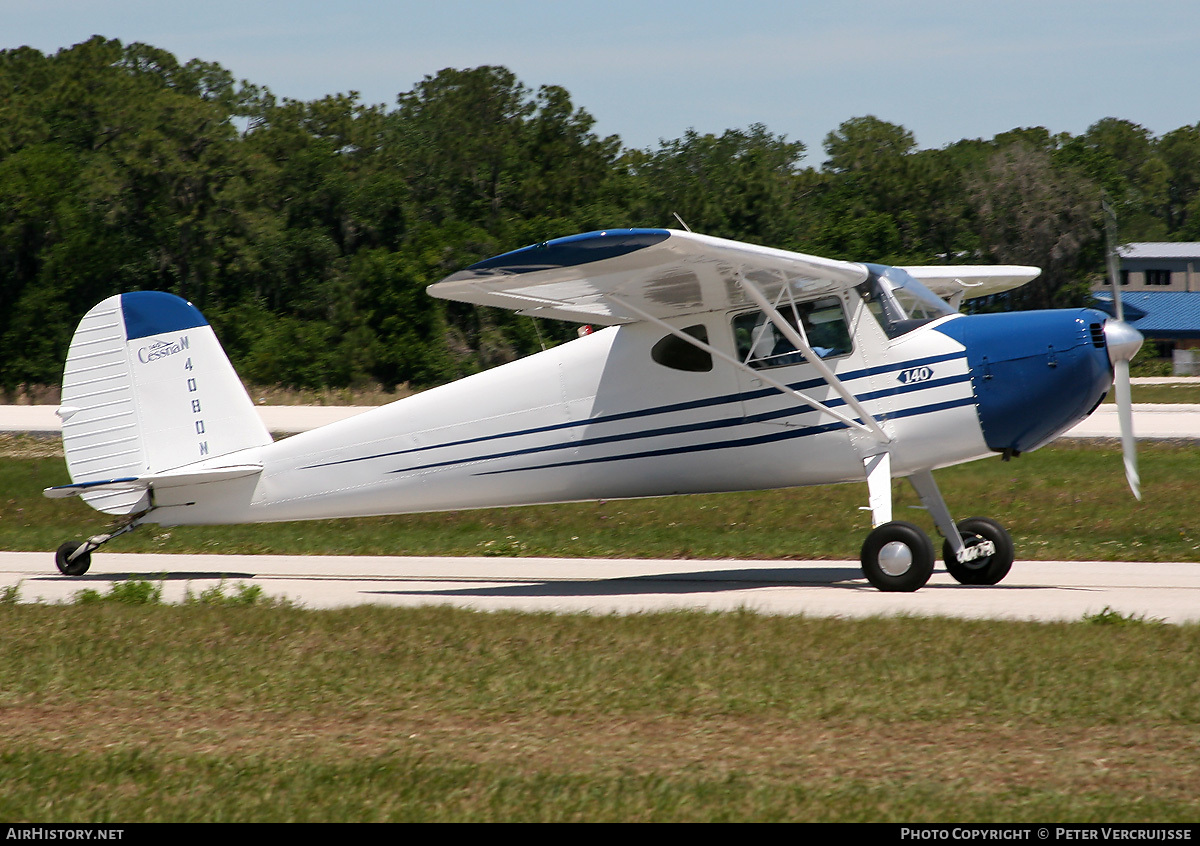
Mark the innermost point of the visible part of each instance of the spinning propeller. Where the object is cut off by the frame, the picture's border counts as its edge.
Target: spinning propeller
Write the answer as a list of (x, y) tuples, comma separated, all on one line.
[(1123, 342)]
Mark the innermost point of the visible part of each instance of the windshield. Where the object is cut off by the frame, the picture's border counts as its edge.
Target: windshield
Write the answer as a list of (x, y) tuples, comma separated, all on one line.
[(899, 302)]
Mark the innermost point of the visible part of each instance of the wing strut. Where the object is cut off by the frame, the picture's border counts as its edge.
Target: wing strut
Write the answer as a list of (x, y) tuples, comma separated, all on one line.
[(801, 343), (802, 398), (955, 299), (879, 487)]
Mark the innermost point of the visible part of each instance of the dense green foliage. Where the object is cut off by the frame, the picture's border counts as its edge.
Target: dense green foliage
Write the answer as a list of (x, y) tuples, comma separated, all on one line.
[(307, 231)]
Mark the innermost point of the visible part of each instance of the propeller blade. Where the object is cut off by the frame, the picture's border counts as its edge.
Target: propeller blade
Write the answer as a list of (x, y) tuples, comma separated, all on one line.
[(1110, 250), (1125, 417), (1123, 342)]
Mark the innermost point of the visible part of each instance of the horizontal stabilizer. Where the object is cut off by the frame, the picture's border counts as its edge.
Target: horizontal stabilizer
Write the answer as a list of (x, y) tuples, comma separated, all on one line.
[(130, 483), (141, 484)]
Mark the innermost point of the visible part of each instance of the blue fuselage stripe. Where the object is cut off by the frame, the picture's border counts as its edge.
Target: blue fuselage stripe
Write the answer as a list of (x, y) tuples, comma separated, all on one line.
[(691, 405), (687, 428), (758, 440)]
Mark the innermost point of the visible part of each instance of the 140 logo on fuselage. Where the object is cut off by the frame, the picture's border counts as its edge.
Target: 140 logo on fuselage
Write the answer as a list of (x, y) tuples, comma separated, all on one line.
[(915, 374)]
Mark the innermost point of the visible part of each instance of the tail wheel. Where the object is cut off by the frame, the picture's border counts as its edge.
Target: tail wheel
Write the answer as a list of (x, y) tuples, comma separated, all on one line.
[(988, 570), (72, 568), (897, 556)]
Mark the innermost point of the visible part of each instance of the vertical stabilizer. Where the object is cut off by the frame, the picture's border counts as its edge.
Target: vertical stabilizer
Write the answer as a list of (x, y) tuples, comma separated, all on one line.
[(147, 388)]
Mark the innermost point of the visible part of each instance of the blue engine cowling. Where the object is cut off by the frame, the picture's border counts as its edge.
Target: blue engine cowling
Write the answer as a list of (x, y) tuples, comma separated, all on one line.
[(1035, 373)]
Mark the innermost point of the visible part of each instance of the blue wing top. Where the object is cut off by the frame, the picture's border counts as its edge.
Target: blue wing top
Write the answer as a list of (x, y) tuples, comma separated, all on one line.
[(663, 272)]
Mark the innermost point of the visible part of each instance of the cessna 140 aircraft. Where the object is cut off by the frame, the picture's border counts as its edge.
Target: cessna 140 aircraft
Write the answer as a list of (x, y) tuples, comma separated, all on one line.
[(723, 366)]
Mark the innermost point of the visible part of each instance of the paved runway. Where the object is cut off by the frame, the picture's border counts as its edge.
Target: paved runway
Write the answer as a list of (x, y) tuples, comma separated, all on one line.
[(1150, 421), (1034, 590)]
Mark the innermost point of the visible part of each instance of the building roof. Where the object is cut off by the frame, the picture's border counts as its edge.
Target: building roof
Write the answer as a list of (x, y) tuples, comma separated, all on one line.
[(1157, 314), (1160, 249)]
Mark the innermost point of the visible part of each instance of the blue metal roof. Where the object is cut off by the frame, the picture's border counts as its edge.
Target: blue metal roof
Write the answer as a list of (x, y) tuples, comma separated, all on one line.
[(1157, 314)]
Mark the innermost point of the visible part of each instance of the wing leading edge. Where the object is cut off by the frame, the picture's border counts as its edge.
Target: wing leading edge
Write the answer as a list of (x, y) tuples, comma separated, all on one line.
[(667, 273), (970, 281), (662, 272)]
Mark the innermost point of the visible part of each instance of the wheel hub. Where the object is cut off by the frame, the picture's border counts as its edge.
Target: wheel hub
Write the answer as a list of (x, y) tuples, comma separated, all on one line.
[(895, 558)]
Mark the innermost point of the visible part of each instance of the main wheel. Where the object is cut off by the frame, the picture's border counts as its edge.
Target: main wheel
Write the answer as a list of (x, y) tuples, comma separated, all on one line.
[(982, 571), (72, 568), (897, 556)]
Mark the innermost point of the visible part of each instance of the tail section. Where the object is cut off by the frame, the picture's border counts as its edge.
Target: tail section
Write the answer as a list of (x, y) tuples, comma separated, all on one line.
[(146, 390)]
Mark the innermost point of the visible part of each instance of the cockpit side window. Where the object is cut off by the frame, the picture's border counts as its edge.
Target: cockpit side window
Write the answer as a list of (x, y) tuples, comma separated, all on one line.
[(676, 353), (761, 345)]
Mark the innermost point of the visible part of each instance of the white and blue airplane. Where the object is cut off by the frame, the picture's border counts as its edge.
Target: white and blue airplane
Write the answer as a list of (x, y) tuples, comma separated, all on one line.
[(723, 366)]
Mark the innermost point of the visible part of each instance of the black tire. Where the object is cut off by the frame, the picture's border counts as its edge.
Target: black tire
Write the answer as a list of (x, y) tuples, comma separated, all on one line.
[(981, 571), (72, 568), (897, 556)]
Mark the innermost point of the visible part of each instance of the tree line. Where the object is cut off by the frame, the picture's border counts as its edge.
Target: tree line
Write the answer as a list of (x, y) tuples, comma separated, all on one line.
[(307, 231)]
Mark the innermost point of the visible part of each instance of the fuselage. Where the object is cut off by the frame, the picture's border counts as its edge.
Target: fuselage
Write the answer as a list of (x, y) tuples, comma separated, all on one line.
[(627, 412)]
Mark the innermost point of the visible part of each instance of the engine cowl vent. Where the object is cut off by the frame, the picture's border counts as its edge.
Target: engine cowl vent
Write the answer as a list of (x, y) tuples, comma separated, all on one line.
[(1097, 335)]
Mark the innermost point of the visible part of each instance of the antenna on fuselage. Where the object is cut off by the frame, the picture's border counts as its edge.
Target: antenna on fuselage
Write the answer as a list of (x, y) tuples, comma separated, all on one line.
[(538, 332), (681, 223)]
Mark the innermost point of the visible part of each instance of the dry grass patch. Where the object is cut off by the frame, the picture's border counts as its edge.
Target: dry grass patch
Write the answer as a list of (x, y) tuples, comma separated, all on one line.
[(112, 711), (988, 762)]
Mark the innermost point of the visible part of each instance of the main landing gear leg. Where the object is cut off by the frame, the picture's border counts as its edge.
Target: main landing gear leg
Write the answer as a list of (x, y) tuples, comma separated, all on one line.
[(977, 551), (896, 556), (75, 557)]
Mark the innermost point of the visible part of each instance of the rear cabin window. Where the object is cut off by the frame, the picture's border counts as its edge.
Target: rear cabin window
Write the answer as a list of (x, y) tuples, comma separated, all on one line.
[(676, 353), (761, 345)]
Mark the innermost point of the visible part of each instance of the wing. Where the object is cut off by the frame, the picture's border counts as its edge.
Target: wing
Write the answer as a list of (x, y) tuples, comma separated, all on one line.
[(974, 280), (662, 272)]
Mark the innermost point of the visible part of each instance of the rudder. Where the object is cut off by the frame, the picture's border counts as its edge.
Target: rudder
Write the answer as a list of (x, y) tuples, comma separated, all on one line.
[(147, 388)]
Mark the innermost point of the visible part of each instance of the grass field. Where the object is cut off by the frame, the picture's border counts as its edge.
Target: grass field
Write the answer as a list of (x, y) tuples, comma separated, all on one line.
[(126, 713), (1183, 392), (129, 711), (1060, 502)]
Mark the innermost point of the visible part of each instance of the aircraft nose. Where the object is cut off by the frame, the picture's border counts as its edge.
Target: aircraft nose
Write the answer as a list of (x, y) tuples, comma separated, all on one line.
[(1122, 340), (1035, 373)]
